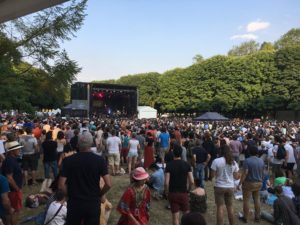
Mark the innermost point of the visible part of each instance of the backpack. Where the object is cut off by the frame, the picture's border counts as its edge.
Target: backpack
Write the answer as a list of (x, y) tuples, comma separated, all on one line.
[(281, 152)]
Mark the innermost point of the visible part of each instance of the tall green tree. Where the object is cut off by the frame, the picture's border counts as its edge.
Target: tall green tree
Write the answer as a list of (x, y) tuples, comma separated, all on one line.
[(244, 48), (292, 37), (198, 59), (36, 39)]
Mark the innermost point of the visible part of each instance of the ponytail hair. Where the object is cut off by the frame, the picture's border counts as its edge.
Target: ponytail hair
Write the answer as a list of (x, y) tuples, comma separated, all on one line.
[(227, 154)]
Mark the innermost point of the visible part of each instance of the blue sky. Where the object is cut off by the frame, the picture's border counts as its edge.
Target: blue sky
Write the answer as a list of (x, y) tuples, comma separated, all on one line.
[(121, 37)]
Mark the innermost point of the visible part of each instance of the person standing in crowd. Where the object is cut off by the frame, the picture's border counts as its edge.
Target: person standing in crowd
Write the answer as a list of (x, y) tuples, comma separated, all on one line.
[(114, 147), (225, 169), (6, 210), (13, 172), (74, 140), (141, 138), (164, 140), (134, 147), (29, 155), (135, 203), (209, 146), (177, 173), (278, 159), (124, 150), (99, 134), (50, 156), (149, 150), (69, 133), (200, 159), (61, 142), (236, 148), (80, 178), (290, 159), (251, 181)]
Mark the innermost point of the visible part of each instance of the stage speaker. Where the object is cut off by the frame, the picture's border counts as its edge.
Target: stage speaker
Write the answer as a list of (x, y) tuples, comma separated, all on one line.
[(79, 91)]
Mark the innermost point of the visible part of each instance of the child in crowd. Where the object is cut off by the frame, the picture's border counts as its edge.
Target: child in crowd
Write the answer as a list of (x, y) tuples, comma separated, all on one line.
[(198, 199)]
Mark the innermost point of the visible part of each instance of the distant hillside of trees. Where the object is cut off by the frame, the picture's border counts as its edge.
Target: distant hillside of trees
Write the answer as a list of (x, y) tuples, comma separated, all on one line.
[(252, 79)]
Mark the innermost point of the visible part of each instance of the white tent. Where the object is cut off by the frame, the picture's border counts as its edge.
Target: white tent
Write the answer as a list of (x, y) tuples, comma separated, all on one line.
[(146, 112)]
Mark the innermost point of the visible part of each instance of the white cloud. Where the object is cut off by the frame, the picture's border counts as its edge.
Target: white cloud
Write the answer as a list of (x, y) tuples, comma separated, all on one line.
[(258, 25), (244, 36)]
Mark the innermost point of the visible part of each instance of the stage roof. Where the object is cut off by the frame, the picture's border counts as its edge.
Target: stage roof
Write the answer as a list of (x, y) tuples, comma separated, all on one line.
[(12, 9)]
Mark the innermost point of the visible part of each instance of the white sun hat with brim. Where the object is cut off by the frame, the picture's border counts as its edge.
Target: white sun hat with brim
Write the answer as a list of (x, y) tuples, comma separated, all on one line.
[(13, 145)]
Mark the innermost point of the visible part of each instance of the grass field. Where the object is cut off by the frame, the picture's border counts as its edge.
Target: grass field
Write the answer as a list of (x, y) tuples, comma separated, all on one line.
[(159, 215)]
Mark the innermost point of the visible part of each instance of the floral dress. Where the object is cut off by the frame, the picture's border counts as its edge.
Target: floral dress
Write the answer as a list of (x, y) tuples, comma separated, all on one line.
[(136, 203)]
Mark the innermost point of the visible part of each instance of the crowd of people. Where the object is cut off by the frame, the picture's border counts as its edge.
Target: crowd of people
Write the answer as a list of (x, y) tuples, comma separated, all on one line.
[(170, 158)]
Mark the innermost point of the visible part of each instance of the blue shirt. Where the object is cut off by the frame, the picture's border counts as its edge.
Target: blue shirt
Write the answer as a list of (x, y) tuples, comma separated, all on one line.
[(157, 180), (4, 188), (164, 140), (255, 167), (11, 166)]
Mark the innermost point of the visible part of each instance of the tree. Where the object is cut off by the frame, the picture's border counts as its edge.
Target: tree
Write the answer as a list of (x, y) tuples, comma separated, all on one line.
[(244, 48), (198, 59), (36, 39), (267, 46), (292, 37)]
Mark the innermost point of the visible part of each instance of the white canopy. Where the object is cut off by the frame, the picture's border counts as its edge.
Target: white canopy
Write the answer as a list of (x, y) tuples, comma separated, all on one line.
[(146, 112)]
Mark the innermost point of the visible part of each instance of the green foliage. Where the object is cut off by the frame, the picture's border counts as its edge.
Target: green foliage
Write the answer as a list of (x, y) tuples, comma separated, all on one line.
[(244, 48), (198, 59), (292, 37), (45, 81), (267, 46)]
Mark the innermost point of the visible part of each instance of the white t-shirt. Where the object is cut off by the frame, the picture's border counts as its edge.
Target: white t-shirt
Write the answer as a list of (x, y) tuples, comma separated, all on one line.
[(290, 151), (60, 218), (133, 145), (113, 144), (224, 172)]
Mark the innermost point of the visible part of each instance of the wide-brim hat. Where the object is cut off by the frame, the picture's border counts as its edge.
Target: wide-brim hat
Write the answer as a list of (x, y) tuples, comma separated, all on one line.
[(140, 174), (13, 145)]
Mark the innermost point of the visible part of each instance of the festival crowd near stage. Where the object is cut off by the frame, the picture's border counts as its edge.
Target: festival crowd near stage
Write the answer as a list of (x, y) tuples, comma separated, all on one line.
[(167, 159)]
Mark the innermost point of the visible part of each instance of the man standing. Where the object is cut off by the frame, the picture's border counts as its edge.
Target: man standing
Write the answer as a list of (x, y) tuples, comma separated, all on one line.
[(164, 140), (80, 179), (12, 171), (114, 147), (177, 174), (29, 155), (251, 180), (200, 159)]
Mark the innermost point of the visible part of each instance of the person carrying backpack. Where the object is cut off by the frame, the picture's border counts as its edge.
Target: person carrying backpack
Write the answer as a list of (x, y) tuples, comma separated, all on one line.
[(279, 153)]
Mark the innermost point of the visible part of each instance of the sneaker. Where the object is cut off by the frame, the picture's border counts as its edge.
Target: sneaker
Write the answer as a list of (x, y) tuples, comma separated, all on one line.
[(243, 219)]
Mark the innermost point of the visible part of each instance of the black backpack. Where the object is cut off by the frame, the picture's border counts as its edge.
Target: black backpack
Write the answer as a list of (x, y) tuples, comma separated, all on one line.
[(281, 152)]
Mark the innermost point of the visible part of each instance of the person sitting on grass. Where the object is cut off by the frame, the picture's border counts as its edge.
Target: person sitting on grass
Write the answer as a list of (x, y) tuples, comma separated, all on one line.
[(57, 211), (156, 181), (296, 199), (284, 209)]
